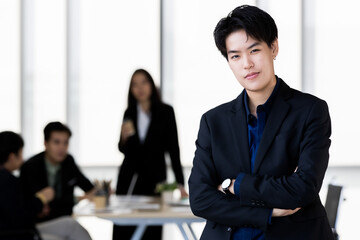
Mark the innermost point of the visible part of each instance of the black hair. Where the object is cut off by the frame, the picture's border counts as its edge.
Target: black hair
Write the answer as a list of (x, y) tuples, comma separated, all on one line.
[(10, 142), (155, 96), (55, 127), (257, 24)]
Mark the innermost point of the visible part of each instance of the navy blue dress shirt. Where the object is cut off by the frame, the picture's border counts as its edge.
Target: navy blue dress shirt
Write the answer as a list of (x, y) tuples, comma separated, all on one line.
[(255, 130)]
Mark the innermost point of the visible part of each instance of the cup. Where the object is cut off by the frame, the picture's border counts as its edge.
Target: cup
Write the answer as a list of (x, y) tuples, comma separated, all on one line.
[(100, 202)]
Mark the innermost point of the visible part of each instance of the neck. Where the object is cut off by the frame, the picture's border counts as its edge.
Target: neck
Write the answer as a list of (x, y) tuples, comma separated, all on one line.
[(145, 106), (257, 98), (255, 101)]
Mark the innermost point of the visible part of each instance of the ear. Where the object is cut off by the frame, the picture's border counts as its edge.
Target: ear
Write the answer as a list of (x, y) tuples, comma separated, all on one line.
[(11, 160), (275, 48)]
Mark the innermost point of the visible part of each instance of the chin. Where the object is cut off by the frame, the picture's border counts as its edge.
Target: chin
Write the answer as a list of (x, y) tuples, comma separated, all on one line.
[(60, 159), (252, 87)]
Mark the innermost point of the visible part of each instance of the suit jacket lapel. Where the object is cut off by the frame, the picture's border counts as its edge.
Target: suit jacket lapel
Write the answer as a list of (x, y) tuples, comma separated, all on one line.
[(277, 115), (42, 171), (240, 133)]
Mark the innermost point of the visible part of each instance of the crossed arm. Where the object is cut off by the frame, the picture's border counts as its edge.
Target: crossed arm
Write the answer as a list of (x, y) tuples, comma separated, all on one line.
[(276, 212)]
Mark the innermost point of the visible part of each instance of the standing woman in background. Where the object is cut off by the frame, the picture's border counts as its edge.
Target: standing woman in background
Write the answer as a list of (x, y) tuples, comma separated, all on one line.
[(148, 131)]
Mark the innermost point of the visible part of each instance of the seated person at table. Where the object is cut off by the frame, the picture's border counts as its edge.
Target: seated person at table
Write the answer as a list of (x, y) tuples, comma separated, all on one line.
[(17, 216), (55, 168)]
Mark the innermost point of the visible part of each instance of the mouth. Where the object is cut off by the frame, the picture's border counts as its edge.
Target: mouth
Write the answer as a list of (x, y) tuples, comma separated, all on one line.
[(251, 75)]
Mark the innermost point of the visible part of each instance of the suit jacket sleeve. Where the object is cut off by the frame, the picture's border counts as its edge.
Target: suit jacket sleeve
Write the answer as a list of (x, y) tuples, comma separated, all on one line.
[(29, 183), (301, 187), (21, 213), (82, 181), (208, 202), (173, 147)]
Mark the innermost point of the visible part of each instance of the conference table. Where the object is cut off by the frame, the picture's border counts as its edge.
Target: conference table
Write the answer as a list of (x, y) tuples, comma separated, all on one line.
[(142, 211)]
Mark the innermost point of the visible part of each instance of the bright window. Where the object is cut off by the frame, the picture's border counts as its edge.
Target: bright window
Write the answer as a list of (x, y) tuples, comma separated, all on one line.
[(9, 65), (49, 82), (116, 37)]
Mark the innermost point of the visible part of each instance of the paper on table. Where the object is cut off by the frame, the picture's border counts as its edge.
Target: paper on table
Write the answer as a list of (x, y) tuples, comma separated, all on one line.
[(132, 198), (179, 203), (180, 209), (134, 202)]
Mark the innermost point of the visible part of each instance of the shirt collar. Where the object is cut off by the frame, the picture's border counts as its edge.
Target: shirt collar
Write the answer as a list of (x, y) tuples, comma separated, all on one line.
[(266, 106), (51, 167)]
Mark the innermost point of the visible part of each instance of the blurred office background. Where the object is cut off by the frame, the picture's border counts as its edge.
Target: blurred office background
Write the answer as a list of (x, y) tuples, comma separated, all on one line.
[(71, 61)]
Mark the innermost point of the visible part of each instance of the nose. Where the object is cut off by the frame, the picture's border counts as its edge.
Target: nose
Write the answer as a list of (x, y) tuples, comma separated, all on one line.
[(248, 63)]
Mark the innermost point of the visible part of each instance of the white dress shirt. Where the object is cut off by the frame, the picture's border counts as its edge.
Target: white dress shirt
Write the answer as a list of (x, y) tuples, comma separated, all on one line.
[(143, 122)]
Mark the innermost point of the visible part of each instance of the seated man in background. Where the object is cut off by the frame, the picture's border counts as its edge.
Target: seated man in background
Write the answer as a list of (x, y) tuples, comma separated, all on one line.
[(17, 216), (55, 168)]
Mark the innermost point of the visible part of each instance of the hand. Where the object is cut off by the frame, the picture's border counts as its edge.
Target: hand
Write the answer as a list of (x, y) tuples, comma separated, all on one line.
[(283, 212), (183, 192), (127, 130), (48, 193), (45, 211), (88, 195)]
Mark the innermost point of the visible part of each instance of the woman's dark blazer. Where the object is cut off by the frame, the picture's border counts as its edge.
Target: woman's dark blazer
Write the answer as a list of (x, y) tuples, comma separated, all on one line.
[(148, 158)]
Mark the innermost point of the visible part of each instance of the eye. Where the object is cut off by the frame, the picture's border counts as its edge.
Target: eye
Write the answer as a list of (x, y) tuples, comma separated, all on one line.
[(235, 57), (254, 50)]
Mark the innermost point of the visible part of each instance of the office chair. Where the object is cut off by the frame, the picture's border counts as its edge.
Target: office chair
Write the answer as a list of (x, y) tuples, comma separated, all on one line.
[(20, 234), (332, 203)]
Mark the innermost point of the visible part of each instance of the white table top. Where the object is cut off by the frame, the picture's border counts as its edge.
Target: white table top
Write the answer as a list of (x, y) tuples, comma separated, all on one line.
[(136, 207)]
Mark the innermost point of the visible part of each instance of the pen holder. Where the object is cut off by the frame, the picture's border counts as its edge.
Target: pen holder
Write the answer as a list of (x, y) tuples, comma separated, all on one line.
[(100, 201), (102, 194)]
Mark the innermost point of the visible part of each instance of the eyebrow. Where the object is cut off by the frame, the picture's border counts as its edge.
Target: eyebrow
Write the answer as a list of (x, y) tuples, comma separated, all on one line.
[(251, 46)]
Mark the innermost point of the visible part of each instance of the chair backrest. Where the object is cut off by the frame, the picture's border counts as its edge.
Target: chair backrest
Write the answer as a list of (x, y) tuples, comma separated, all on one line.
[(333, 200)]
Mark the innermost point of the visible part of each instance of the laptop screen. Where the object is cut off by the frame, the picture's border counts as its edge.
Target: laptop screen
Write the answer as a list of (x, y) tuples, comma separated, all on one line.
[(332, 203)]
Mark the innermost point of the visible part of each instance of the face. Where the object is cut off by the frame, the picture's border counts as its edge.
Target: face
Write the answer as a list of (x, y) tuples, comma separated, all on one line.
[(141, 87), (251, 61), (56, 147)]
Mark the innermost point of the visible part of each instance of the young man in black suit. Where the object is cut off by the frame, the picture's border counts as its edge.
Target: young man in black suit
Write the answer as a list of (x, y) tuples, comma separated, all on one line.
[(17, 214), (261, 158), (56, 168)]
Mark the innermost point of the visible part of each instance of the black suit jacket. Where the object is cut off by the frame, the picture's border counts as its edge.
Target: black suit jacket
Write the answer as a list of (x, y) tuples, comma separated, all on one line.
[(148, 158), (33, 176), (15, 213), (296, 135)]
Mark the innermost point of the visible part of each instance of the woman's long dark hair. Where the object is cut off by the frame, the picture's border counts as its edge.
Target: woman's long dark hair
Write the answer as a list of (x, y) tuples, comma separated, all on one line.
[(154, 98)]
